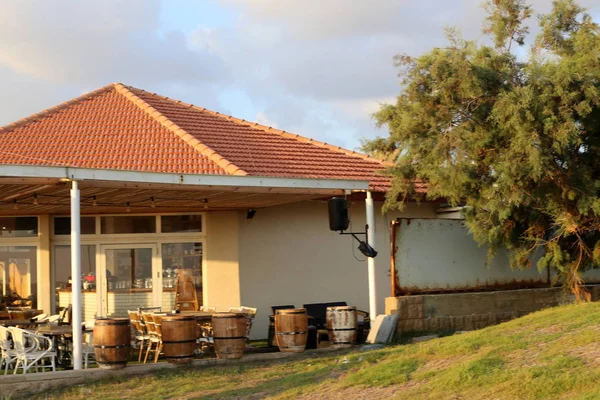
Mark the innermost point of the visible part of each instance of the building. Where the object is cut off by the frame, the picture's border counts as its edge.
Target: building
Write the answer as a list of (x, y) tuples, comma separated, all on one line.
[(160, 186)]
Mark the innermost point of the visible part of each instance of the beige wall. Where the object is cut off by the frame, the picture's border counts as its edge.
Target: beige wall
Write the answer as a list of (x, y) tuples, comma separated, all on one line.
[(221, 266), (288, 255)]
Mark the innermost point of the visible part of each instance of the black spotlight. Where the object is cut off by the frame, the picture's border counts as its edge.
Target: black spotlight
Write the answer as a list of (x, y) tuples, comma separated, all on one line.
[(367, 250), (250, 213)]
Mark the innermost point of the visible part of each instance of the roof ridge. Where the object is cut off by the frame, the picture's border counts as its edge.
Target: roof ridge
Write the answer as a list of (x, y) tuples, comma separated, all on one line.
[(52, 110), (280, 132), (203, 149)]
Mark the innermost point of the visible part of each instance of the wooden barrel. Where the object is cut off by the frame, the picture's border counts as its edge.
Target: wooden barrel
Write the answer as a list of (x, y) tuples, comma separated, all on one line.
[(291, 329), (112, 342), (229, 334), (341, 326), (179, 334)]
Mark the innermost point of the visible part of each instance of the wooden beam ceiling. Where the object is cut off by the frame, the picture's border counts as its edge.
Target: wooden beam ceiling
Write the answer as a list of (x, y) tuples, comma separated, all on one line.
[(101, 198)]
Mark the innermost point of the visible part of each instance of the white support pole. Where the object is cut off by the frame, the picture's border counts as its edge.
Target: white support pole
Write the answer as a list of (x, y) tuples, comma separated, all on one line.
[(370, 260), (76, 276)]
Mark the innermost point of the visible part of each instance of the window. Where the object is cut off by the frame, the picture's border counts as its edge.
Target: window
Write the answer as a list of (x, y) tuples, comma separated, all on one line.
[(182, 256), (18, 226), (128, 224), (62, 225), (18, 276), (129, 268), (62, 266), (181, 223)]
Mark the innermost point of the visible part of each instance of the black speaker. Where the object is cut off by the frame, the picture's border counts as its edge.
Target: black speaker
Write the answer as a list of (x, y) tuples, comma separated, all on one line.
[(338, 214)]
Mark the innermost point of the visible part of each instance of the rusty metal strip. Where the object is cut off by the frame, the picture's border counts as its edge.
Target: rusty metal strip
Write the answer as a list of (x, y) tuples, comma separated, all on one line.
[(394, 278)]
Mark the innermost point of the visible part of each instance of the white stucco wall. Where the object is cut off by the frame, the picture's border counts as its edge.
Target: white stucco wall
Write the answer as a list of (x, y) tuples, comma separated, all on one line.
[(441, 254), (288, 255)]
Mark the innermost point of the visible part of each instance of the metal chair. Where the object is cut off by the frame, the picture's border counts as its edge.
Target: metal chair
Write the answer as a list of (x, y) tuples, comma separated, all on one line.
[(66, 315), (8, 355), (31, 349)]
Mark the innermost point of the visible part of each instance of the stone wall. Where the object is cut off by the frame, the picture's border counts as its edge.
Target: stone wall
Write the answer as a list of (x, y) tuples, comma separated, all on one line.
[(468, 311)]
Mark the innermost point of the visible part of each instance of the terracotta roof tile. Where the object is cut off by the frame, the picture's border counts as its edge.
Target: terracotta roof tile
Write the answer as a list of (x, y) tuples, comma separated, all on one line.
[(121, 127), (102, 130)]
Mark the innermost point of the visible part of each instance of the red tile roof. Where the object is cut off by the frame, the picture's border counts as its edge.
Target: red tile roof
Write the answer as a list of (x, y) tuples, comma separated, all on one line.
[(121, 127)]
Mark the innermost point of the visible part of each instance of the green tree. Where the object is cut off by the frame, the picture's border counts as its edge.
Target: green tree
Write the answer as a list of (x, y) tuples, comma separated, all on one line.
[(516, 139)]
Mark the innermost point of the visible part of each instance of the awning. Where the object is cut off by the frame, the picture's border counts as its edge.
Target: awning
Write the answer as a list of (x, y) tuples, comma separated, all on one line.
[(30, 190)]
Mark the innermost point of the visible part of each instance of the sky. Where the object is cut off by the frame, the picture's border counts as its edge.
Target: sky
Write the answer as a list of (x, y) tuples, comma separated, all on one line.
[(319, 68)]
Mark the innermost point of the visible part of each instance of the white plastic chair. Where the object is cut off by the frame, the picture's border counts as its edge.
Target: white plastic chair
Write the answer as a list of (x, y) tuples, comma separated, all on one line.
[(7, 354), (53, 319), (89, 324), (88, 348), (31, 349), (40, 318)]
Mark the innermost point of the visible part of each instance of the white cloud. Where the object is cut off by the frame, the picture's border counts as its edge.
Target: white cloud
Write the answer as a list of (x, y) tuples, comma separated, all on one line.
[(317, 68), (73, 42)]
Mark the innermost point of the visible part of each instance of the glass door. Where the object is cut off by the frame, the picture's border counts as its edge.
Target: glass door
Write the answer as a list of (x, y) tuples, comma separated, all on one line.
[(132, 278)]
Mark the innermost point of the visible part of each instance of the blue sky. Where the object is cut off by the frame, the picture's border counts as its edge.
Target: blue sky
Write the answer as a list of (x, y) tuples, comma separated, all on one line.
[(314, 67)]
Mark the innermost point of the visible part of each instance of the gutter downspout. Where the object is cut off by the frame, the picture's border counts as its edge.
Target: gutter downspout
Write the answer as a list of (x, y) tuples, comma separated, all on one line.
[(76, 275), (370, 210)]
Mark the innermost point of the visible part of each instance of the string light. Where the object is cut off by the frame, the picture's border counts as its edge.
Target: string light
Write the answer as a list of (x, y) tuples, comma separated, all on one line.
[(48, 200)]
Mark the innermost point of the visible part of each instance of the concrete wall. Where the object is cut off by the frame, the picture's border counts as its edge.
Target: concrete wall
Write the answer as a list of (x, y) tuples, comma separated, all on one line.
[(441, 255), (221, 261), (468, 311), (288, 255)]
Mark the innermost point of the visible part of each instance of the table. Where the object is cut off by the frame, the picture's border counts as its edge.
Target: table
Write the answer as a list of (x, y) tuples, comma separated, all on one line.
[(50, 330), (197, 314), (60, 336), (18, 322), (23, 314), (200, 316)]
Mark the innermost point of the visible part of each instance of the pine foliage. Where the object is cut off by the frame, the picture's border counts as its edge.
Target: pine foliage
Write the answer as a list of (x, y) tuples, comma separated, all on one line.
[(516, 138)]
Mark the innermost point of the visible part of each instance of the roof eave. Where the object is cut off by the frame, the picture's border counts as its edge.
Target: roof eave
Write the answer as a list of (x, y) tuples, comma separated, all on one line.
[(108, 176)]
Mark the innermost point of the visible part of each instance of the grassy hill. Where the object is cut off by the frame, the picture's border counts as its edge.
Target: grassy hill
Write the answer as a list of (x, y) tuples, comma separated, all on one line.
[(552, 354)]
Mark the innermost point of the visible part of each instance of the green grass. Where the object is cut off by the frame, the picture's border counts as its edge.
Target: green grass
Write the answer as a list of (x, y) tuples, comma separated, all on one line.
[(552, 354)]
